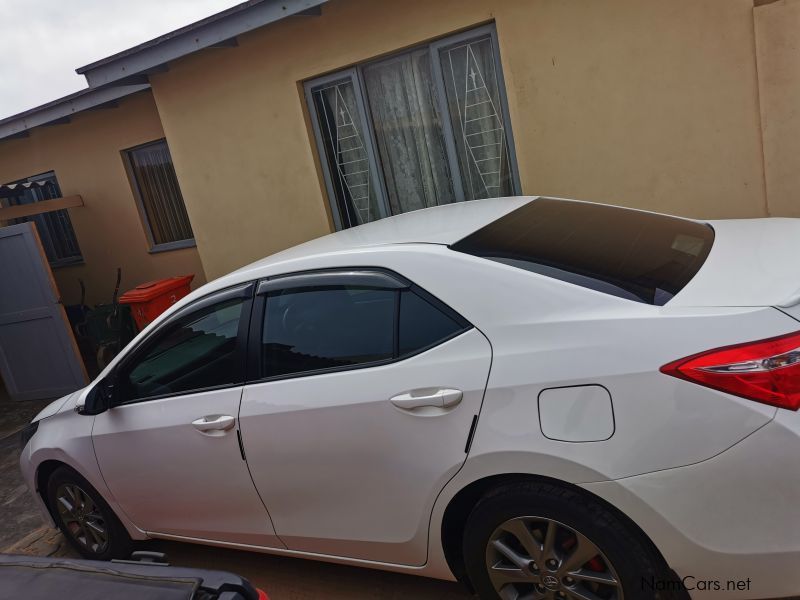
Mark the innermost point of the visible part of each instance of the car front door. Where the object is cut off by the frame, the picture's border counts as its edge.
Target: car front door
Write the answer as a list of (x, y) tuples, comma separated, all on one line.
[(366, 391), (168, 447)]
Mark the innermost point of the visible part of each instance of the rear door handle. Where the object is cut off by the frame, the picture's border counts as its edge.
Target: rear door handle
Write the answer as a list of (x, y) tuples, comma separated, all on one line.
[(214, 423), (439, 398)]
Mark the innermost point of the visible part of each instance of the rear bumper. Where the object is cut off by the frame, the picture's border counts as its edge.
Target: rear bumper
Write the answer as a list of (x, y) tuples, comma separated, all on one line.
[(728, 526)]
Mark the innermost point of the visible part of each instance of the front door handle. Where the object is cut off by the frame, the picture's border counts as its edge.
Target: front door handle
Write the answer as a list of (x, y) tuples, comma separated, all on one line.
[(214, 423), (437, 397)]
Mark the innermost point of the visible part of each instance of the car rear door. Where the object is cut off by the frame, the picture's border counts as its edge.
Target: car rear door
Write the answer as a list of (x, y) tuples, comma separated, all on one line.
[(366, 390)]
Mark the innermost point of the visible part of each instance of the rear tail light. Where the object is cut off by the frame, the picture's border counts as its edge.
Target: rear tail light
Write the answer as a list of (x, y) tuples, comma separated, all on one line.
[(766, 371)]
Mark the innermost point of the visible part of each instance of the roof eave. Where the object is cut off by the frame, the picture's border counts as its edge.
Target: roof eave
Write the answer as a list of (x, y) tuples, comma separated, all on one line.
[(60, 111), (213, 31)]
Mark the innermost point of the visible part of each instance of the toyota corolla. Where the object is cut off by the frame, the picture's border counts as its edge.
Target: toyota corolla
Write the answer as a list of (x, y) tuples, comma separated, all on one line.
[(542, 398)]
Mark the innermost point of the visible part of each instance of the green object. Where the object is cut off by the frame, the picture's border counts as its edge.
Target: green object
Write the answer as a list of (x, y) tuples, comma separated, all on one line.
[(107, 323)]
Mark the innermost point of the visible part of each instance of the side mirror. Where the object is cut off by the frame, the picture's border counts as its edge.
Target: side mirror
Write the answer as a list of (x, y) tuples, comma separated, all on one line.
[(99, 399)]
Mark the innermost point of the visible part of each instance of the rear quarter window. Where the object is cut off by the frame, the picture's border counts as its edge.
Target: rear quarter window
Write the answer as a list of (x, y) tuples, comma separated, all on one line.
[(423, 325), (631, 254)]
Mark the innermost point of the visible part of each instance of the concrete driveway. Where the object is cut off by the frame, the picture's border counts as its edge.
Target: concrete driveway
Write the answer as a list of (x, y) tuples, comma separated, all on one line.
[(18, 516), (282, 578), (295, 579)]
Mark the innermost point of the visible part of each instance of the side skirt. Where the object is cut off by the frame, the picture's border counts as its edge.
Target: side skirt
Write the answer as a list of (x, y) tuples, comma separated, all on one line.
[(342, 560)]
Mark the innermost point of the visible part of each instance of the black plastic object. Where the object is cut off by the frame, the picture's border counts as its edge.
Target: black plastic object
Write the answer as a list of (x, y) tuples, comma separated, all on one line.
[(145, 557), (35, 578)]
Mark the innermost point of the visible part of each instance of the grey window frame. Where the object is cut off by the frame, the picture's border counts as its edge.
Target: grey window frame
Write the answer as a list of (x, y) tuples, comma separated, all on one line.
[(137, 194), (356, 76), (353, 76)]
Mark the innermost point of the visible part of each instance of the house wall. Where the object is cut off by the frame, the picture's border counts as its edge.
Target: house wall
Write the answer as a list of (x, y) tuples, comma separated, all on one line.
[(85, 155), (777, 27), (642, 103)]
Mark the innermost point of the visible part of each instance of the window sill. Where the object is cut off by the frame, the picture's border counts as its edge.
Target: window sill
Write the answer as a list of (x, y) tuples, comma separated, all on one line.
[(179, 245)]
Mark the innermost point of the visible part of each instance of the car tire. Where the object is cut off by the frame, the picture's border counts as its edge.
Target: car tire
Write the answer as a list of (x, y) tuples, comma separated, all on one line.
[(506, 544), (85, 518)]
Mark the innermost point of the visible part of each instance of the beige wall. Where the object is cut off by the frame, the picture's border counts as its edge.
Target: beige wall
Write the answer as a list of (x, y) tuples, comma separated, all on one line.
[(644, 103), (778, 43), (85, 155)]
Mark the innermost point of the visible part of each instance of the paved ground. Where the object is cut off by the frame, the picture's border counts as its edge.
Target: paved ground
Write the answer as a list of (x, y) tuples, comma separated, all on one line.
[(15, 415), (295, 579), (282, 578), (18, 516)]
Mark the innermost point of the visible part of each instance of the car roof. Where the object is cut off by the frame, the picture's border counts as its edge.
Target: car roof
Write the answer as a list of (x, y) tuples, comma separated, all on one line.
[(443, 225), (762, 251)]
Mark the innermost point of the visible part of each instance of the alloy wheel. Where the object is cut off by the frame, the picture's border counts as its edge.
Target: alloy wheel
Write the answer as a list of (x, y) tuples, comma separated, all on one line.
[(533, 558), (82, 518)]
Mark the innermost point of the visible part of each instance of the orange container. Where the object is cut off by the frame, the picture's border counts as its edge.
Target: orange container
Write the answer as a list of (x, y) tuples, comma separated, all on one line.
[(150, 299)]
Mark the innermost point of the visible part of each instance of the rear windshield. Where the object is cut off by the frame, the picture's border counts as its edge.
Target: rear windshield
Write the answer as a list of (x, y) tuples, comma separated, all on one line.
[(635, 255)]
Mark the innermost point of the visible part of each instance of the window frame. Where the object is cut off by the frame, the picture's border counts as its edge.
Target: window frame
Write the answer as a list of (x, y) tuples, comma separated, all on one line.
[(355, 74), (355, 78), (70, 261), (375, 277), (154, 248), (244, 292)]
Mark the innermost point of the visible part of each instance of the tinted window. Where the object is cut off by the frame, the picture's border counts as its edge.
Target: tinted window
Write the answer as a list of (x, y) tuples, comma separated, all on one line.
[(197, 352), (321, 328), (422, 325), (631, 254)]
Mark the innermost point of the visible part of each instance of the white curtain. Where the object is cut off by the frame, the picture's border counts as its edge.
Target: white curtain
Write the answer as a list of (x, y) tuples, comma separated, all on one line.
[(408, 132)]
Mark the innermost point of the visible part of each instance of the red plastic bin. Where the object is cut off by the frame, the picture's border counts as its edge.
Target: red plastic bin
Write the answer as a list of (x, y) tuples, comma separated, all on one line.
[(150, 299)]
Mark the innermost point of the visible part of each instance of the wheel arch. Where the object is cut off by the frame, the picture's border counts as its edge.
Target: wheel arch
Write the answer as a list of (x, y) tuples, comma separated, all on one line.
[(460, 506), (43, 473), (45, 470)]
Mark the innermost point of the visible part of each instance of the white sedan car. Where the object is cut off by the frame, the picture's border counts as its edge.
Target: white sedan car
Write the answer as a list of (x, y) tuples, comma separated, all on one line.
[(542, 398)]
